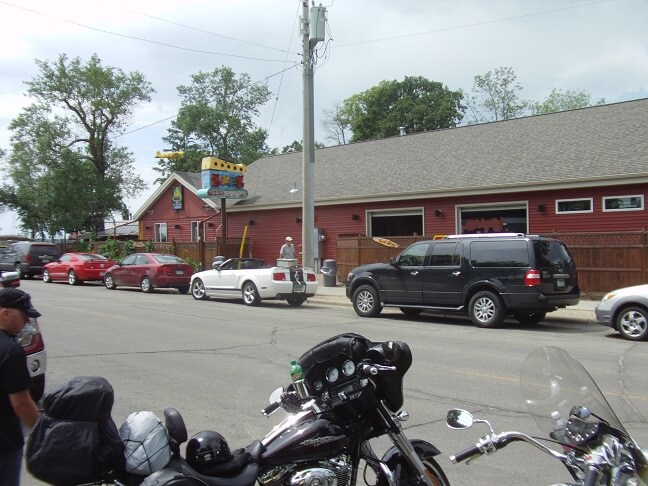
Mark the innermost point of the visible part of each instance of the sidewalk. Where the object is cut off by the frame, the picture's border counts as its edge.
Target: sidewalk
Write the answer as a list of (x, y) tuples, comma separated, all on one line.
[(583, 312)]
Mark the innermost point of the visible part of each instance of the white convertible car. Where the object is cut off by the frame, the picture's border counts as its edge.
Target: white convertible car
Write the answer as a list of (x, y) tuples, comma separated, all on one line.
[(254, 280)]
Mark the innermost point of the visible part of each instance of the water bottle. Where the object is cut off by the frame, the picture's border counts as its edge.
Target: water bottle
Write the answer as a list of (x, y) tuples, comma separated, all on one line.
[(297, 375)]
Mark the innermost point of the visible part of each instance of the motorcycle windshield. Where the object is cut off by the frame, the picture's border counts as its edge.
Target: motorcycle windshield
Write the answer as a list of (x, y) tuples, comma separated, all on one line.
[(553, 382)]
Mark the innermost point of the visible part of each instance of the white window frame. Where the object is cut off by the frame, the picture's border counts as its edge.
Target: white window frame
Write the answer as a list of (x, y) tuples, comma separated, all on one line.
[(614, 210), (590, 210), (195, 231), (158, 233)]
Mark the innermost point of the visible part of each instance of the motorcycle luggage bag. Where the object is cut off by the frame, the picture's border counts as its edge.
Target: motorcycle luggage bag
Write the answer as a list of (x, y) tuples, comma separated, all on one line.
[(75, 439)]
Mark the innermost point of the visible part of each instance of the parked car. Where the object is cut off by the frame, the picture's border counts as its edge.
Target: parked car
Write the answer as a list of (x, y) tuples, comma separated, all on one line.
[(27, 258), (253, 280), (76, 268), (488, 276), (149, 271), (625, 310), (31, 339)]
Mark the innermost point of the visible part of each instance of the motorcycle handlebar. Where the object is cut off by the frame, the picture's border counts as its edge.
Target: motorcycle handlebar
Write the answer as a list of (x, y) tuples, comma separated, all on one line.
[(492, 443), (467, 454), (373, 369), (271, 408)]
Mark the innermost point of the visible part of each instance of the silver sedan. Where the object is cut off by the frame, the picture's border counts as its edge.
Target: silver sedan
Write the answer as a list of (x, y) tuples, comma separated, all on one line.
[(626, 310)]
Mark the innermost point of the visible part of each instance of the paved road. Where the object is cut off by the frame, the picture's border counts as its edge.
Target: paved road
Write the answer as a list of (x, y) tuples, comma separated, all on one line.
[(218, 361)]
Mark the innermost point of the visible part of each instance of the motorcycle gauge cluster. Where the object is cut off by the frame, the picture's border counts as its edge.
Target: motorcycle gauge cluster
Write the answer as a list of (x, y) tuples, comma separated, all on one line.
[(333, 373)]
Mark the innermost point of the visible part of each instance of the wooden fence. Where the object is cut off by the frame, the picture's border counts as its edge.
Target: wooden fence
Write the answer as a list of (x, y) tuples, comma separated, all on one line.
[(605, 261)]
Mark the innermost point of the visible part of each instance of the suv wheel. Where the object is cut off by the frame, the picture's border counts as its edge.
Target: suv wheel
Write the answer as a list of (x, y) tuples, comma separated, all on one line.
[(366, 302), (486, 309), (530, 317)]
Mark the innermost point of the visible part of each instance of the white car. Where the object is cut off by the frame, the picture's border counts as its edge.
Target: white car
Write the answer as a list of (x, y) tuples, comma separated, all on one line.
[(253, 280), (626, 310)]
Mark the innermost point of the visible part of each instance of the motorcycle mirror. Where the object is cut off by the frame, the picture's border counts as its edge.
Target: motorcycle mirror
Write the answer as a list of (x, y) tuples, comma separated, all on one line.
[(275, 396), (459, 419), (391, 351)]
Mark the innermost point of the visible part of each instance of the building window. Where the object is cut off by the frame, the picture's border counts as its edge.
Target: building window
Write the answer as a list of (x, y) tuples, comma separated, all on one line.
[(160, 232), (570, 206), (195, 231), (395, 222), (623, 203)]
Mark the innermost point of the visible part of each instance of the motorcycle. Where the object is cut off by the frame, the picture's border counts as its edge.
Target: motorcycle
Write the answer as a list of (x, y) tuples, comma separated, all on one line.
[(350, 392), (573, 414)]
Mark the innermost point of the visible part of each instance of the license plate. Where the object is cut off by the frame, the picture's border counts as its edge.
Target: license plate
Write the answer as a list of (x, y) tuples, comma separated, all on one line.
[(299, 288), (101, 274), (179, 272), (560, 283)]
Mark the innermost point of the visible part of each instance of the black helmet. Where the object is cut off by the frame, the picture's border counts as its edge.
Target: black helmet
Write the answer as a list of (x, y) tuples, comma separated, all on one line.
[(207, 449)]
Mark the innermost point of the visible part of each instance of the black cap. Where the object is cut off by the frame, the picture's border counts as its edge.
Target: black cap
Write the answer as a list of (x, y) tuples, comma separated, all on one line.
[(13, 298)]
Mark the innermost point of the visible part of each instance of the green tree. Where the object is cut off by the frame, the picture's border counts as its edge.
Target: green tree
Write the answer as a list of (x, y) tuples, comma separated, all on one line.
[(415, 103), (216, 118), (559, 100), (67, 172), (495, 97)]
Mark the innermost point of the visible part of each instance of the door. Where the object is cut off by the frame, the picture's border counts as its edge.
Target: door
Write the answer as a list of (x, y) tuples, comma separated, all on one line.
[(403, 283), (122, 274), (443, 278), (227, 277)]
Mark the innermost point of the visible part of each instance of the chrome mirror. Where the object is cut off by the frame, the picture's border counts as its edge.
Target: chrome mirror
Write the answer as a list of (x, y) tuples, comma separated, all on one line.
[(459, 419)]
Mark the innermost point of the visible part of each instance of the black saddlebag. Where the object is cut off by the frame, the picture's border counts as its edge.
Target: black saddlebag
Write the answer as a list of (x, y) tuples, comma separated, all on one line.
[(76, 440)]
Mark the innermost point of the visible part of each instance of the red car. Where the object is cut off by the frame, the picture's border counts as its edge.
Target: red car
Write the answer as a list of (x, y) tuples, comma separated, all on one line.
[(149, 271), (77, 268)]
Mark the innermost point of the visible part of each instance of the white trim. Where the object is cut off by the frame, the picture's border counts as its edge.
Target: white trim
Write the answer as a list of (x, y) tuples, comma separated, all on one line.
[(156, 232), (468, 208), (615, 210), (590, 210)]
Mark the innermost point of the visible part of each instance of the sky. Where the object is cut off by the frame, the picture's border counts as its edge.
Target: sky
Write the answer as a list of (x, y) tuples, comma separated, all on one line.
[(600, 46)]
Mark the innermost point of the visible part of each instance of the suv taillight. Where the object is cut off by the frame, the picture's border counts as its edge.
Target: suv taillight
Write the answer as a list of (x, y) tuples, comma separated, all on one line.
[(532, 278)]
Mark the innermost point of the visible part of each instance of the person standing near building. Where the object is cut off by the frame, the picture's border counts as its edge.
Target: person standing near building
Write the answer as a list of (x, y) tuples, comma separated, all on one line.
[(288, 249), (16, 404)]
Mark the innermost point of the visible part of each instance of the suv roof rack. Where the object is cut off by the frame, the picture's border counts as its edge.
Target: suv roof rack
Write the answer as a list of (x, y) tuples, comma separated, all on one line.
[(488, 235)]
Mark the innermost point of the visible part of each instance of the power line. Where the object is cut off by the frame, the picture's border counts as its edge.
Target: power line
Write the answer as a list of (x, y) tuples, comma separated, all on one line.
[(164, 44), (209, 32), (475, 24)]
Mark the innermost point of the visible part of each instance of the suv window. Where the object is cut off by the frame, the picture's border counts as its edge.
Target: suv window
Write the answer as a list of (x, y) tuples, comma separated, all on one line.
[(414, 255), (445, 255), (500, 253), (45, 249), (550, 253)]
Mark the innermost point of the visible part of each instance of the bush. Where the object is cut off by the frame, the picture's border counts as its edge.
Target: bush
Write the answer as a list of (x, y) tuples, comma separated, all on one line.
[(197, 264), (129, 247), (111, 249)]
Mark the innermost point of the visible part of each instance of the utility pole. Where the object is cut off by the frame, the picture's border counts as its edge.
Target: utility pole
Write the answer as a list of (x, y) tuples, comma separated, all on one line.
[(308, 172)]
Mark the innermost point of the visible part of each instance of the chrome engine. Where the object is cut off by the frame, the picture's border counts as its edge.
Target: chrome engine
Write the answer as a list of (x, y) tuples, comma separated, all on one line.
[(333, 472)]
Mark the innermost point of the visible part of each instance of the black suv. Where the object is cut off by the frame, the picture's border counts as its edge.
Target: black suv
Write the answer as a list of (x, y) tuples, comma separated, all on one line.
[(27, 258), (488, 275)]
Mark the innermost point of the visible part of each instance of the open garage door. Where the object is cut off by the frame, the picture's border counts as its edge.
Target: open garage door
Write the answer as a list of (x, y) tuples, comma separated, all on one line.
[(402, 222), (493, 219)]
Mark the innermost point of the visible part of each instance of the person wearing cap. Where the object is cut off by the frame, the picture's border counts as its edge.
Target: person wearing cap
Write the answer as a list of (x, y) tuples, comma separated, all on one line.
[(16, 404), (288, 249)]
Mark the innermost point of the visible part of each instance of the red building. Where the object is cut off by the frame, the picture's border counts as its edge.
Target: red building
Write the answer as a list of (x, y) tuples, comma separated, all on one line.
[(576, 171)]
